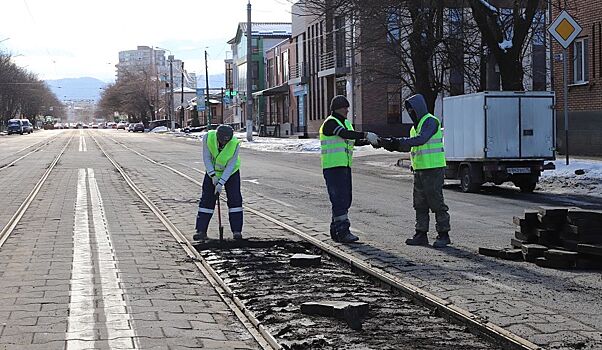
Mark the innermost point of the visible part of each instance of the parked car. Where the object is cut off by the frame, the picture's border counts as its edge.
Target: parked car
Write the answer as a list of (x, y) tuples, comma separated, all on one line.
[(122, 126), (15, 126), (131, 127), (27, 127), (138, 127)]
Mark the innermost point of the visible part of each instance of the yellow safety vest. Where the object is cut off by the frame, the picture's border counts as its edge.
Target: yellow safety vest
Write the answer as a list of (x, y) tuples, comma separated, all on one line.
[(336, 151), (430, 155), (220, 158)]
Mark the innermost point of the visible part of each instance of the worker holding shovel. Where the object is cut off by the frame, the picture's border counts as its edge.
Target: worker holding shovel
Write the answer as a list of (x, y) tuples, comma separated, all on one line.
[(222, 163)]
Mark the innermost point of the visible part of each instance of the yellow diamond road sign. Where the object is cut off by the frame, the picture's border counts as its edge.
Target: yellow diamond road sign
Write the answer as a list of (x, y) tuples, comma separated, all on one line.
[(565, 29)]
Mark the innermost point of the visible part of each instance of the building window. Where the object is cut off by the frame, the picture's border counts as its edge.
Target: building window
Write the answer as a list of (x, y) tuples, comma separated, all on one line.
[(393, 105), (580, 61), (285, 66)]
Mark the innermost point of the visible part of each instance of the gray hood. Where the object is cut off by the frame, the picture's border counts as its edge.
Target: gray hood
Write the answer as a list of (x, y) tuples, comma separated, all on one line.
[(418, 104)]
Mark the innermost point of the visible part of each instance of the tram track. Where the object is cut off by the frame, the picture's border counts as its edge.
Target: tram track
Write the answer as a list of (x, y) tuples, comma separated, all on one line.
[(16, 218), (36, 147), (257, 330), (448, 310)]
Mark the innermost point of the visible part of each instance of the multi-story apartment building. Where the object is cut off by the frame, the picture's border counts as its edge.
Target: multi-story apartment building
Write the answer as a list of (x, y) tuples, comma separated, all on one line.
[(584, 79), (332, 54), (144, 59), (263, 37), (152, 61)]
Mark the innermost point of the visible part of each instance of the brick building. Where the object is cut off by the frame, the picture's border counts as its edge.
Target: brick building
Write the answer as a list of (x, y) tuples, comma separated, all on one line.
[(584, 78)]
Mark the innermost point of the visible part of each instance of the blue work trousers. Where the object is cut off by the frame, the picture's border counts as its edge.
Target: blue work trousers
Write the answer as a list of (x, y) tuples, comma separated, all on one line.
[(338, 183), (208, 199)]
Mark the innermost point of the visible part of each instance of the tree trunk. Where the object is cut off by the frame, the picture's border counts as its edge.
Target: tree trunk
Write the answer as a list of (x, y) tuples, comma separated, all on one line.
[(512, 73)]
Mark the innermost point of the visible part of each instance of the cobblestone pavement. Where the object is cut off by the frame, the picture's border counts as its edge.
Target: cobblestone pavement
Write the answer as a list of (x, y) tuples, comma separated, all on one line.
[(555, 309), (90, 267)]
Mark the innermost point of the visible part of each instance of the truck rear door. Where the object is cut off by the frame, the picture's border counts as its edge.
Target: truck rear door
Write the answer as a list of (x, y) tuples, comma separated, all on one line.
[(502, 127), (537, 127)]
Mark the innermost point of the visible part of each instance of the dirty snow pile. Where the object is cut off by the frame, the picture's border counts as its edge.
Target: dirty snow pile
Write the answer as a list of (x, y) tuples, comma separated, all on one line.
[(565, 179), (274, 144)]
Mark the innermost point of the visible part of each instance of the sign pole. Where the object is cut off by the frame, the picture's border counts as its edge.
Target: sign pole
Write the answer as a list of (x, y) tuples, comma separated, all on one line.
[(565, 70)]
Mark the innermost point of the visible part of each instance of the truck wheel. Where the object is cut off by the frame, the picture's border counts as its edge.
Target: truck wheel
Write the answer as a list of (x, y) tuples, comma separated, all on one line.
[(526, 184), (466, 183), (528, 188)]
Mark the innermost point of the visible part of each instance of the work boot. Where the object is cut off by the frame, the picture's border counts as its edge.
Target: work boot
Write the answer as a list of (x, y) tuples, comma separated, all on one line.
[(342, 232), (237, 236), (420, 238), (442, 240), (347, 237), (333, 232), (199, 236)]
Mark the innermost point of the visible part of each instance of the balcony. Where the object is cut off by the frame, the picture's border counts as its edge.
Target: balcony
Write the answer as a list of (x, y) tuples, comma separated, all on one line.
[(298, 74), (331, 64)]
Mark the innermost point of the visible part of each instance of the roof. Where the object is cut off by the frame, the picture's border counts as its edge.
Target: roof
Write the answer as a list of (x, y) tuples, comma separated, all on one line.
[(264, 29)]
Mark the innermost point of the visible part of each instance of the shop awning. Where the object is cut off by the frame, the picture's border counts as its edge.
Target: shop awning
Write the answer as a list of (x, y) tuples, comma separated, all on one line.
[(277, 90)]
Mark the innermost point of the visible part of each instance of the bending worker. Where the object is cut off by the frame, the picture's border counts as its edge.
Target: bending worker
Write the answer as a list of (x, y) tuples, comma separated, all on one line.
[(337, 139), (428, 164), (222, 163)]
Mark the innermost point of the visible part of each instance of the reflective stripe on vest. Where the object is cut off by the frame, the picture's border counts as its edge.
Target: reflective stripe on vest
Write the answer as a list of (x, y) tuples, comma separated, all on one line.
[(220, 158), (431, 154), (336, 151)]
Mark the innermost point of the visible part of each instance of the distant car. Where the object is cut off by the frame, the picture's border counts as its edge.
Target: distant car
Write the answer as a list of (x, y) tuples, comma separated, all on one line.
[(131, 127), (121, 126), (15, 126), (85, 126), (138, 127), (27, 127), (94, 126)]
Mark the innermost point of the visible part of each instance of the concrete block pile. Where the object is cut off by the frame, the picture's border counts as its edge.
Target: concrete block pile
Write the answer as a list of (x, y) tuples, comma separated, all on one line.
[(555, 237)]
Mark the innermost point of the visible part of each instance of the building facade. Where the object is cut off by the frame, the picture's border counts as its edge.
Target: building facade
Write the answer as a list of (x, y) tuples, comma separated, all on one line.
[(584, 80), (263, 37)]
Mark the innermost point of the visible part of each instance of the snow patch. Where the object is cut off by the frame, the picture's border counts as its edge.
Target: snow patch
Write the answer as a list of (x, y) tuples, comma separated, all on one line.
[(505, 45), (564, 179), (160, 129)]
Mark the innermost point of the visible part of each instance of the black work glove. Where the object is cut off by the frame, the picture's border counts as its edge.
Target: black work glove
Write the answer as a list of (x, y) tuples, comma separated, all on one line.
[(389, 143)]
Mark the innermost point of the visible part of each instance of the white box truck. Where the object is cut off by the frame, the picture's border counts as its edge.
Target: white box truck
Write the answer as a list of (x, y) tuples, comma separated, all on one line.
[(499, 136)]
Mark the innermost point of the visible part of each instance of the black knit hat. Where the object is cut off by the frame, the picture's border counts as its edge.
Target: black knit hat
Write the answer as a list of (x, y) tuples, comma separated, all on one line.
[(224, 134), (339, 101)]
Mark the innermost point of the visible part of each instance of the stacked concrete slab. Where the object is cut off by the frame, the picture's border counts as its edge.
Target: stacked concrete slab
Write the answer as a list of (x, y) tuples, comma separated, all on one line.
[(555, 237)]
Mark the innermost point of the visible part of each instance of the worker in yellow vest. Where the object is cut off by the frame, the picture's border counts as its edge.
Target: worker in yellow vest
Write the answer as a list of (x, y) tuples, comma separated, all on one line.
[(337, 139), (222, 164), (428, 164)]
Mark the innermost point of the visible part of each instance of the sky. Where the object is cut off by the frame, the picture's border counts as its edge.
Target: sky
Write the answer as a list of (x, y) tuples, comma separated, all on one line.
[(82, 38)]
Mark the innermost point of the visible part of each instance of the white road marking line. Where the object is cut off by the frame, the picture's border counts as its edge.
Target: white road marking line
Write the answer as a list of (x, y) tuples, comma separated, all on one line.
[(82, 323), (81, 320), (118, 320), (82, 142)]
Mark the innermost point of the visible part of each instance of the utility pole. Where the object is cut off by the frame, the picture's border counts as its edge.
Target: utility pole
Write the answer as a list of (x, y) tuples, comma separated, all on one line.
[(171, 101), (182, 99), (249, 76), (222, 103), (207, 106)]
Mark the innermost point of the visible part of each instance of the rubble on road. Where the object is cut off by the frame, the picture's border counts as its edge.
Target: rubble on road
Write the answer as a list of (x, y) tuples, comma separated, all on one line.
[(555, 237)]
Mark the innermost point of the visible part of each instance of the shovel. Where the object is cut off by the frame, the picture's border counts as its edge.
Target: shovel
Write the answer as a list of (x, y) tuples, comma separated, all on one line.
[(219, 221)]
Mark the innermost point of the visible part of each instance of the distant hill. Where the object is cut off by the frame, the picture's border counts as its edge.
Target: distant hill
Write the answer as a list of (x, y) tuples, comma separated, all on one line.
[(84, 88)]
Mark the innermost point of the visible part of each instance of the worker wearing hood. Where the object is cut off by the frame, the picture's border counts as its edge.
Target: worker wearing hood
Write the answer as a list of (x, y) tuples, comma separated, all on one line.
[(428, 164)]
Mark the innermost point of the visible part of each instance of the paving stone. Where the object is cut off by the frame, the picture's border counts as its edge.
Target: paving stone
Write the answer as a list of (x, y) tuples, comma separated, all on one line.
[(305, 260), (533, 251), (350, 312)]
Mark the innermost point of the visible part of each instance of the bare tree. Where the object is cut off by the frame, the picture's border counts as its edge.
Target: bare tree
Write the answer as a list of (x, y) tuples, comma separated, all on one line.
[(133, 95), (505, 31), (22, 94)]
